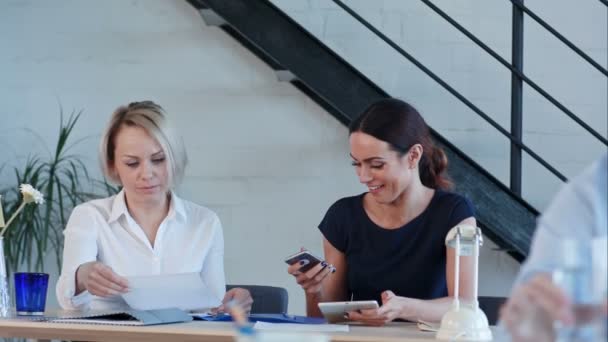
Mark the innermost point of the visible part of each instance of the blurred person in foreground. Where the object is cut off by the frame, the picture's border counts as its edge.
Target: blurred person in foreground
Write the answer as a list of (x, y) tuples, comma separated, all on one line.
[(578, 213)]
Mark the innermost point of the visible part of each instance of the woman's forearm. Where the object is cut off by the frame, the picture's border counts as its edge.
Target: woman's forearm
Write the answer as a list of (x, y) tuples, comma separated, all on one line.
[(426, 310), (312, 305), (80, 287)]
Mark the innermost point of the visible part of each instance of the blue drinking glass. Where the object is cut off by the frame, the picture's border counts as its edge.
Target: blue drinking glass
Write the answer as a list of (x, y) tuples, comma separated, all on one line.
[(30, 293)]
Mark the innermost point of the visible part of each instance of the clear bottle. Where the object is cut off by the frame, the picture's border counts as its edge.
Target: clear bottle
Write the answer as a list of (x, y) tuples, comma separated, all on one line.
[(577, 277)]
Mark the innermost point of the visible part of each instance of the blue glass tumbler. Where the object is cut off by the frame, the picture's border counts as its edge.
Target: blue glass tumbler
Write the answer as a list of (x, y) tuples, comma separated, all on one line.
[(30, 293)]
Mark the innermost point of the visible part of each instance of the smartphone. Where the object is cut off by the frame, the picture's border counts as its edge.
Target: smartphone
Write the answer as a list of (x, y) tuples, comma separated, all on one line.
[(334, 311), (304, 255)]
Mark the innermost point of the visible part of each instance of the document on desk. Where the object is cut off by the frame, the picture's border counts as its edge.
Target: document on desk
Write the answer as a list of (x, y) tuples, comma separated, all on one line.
[(428, 326), (295, 327), (119, 317), (185, 291)]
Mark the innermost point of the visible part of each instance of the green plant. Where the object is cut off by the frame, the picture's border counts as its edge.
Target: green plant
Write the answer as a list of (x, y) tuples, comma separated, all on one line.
[(65, 183)]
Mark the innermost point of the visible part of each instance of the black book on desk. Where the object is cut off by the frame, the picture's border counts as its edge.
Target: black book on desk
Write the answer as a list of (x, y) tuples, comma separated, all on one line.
[(120, 317)]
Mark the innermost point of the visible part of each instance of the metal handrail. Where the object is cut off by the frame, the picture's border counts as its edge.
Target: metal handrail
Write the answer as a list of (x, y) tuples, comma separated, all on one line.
[(517, 97), (450, 89), (502, 61), (559, 36)]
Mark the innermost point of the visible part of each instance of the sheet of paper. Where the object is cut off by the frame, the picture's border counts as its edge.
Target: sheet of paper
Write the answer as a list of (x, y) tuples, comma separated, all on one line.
[(428, 326), (185, 291), (198, 314), (211, 317), (294, 327)]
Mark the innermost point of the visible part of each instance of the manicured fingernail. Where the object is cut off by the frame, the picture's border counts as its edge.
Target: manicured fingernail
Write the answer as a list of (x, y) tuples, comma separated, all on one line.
[(323, 263), (346, 315), (333, 269)]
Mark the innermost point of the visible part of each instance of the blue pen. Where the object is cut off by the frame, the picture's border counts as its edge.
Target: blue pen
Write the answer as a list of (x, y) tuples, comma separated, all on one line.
[(239, 318)]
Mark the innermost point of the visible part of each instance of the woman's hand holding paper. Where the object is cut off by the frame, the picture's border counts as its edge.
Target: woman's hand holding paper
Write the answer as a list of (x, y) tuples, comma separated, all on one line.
[(100, 280)]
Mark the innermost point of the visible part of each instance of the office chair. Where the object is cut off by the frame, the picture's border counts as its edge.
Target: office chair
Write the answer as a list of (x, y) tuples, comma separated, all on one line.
[(266, 299), (491, 307)]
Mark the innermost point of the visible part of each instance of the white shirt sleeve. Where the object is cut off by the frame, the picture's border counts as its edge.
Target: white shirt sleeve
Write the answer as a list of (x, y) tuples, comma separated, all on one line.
[(212, 272), (80, 246), (577, 212)]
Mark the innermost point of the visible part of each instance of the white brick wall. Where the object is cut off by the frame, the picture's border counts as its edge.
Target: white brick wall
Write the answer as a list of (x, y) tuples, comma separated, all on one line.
[(263, 156), (267, 159), (467, 68)]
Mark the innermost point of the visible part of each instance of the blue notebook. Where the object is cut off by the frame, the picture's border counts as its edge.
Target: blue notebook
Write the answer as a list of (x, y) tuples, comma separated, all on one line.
[(269, 318)]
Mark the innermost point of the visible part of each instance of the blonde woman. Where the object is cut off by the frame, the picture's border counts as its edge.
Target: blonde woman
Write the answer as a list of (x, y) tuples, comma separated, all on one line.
[(146, 229)]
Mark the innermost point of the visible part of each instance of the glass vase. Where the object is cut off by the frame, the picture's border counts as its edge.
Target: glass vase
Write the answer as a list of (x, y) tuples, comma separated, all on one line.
[(5, 302)]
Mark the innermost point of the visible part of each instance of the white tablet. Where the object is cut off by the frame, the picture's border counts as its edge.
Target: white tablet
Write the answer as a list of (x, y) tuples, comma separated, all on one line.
[(334, 311)]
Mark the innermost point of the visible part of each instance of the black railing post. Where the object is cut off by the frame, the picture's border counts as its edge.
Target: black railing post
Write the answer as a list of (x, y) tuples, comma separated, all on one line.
[(517, 56)]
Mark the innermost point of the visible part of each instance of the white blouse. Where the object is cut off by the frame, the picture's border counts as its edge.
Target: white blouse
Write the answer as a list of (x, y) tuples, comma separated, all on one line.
[(189, 239)]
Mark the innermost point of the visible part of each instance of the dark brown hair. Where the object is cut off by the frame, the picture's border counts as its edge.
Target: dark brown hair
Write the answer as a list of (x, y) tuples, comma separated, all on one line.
[(401, 126)]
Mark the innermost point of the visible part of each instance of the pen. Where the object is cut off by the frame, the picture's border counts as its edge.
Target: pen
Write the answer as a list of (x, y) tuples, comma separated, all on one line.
[(239, 318)]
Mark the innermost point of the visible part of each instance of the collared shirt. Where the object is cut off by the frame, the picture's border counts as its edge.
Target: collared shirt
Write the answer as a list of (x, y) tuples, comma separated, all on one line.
[(189, 239), (579, 212)]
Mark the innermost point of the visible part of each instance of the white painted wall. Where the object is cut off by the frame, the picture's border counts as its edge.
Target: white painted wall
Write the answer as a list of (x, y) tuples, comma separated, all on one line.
[(267, 159)]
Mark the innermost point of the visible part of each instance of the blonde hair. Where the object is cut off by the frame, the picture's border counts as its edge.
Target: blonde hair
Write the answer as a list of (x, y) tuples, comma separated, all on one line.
[(153, 119)]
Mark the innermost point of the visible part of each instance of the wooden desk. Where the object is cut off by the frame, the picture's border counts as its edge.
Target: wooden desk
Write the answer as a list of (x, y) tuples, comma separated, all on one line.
[(192, 331)]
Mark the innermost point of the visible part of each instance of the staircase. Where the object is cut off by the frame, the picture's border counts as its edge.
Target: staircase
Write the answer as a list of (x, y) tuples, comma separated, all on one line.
[(303, 60)]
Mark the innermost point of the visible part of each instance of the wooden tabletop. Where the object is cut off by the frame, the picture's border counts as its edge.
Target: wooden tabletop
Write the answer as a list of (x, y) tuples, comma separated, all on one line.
[(191, 331)]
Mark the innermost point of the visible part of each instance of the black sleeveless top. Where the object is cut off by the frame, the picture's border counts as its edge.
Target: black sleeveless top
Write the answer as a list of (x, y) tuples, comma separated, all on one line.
[(410, 260)]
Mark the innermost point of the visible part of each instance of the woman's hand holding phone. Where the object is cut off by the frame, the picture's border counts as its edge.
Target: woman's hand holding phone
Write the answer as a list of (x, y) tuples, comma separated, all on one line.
[(308, 270)]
